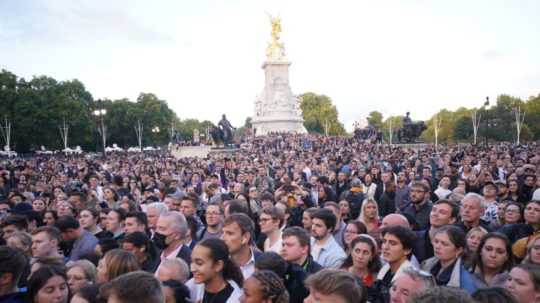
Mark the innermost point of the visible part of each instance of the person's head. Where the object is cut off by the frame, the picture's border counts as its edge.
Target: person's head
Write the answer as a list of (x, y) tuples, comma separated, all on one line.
[(334, 207), (397, 243), (214, 215), (172, 202), (135, 222), (444, 212), (115, 220), (474, 236), (88, 294), (472, 209), (364, 254), (38, 205), (533, 252), (153, 211), (494, 253), (493, 295), (334, 286), (210, 260), (188, 205), (344, 208), (271, 219), (65, 208), (418, 193), (512, 213), (238, 232), (20, 240), (352, 230), (134, 287), (175, 292), (116, 262), (295, 244), (104, 245), (489, 190), (45, 241), (531, 214), (369, 210), (173, 269), (306, 218), (48, 284), (140, 245), (171, 229), (271, 261), (12, 224), (37, 263), (264, 286), (70, 228), (103, 217), (323, 224), (395, 220), (442, 294), (524, 283), (409, 282), (448, 243), (12, 265), (88, 218), (81, 273)]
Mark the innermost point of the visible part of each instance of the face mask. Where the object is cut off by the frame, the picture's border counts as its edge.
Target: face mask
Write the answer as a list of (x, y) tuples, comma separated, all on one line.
[(160, 241)]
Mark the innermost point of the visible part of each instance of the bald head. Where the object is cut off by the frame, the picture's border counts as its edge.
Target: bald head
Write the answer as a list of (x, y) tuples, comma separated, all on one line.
[(395, 220)]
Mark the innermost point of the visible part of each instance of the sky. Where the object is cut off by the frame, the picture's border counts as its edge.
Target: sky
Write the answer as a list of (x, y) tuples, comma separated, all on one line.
[(204, 57)]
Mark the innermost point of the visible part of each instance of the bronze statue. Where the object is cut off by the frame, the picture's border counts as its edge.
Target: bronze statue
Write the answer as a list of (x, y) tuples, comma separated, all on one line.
[(223, 133), (410, 131)]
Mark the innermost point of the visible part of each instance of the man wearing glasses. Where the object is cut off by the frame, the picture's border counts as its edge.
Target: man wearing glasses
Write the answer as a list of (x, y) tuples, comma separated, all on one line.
[(420, 205)]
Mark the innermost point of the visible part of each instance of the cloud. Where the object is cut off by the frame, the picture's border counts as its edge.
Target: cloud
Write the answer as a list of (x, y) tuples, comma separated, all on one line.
[(53, 23), (492, 54)]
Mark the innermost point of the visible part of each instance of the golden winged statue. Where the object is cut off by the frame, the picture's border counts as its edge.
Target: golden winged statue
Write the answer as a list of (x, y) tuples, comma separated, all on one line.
[(275, 49)]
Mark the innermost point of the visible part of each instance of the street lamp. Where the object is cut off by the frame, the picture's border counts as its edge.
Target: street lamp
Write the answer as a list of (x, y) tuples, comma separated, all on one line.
[(155, 130), (486, 111), (100, 113)]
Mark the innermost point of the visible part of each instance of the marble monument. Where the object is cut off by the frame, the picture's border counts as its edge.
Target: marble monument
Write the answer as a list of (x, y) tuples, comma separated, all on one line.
[(276, 108)]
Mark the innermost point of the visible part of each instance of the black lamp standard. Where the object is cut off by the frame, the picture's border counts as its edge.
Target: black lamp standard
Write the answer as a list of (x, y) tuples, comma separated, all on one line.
[(100, 113), (486, 111)]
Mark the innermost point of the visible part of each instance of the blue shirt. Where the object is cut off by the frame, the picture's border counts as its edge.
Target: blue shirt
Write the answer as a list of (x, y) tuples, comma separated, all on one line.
[(330, 255)]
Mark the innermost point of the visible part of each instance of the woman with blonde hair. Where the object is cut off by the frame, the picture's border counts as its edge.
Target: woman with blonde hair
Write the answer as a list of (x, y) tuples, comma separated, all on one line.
[(80, 274), (369, 215), (116, 262)]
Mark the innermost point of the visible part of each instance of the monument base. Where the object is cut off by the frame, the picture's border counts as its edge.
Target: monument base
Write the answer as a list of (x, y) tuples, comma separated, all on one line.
[(201, 152), (264, 125)]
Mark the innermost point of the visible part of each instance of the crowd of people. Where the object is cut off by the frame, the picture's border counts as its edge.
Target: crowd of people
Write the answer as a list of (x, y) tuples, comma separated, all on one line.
[(286, 218)]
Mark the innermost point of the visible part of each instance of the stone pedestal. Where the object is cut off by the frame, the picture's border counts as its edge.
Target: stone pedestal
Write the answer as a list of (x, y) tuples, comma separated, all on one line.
[(276, 108)]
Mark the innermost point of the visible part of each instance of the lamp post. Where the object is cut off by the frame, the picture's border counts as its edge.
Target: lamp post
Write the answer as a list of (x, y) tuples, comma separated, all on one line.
[(155, 130), (486, 110), (100, 113)]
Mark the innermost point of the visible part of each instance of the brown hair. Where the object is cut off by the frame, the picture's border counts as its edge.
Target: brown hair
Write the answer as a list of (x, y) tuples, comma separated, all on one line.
[(337, 282), (119, 262), (276, 214)]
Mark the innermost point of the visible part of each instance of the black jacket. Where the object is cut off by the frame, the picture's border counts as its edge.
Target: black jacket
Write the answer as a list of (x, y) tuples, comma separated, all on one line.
[(422, 249), (294, 282), (310, 266)]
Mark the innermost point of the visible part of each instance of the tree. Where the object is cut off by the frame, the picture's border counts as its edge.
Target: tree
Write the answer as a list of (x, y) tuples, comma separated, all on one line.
[(320, 115), (375, 118)]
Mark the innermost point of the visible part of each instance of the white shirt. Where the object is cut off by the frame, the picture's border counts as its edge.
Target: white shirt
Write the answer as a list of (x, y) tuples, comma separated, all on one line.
[(276, 247), (249, 268)]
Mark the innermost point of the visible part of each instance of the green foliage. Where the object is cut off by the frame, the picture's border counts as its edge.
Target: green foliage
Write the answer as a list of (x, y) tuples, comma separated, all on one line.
[(375, 118), (320, 115), (37, 108)]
